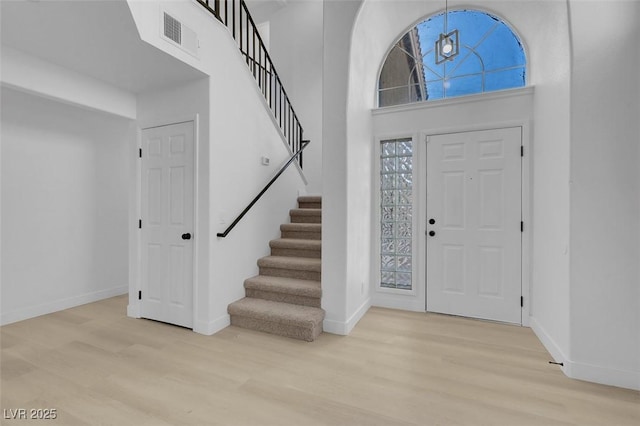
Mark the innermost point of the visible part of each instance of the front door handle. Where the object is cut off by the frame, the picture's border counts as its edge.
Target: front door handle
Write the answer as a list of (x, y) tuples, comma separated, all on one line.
[(186, 236)]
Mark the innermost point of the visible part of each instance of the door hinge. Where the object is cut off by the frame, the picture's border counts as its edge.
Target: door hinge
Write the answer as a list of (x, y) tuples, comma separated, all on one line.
[(521, 301), (140, 295), (140, 152), (521, 226), (521, 150), (139, 223)]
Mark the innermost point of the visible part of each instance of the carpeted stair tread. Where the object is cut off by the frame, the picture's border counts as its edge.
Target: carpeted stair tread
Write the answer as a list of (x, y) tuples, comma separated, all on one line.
[(293, 263), (297, 244), (292, 286), (310, 199), (301, 227), (310, 202), (306, 212), (277, 312), (306, 215), (301, 231)]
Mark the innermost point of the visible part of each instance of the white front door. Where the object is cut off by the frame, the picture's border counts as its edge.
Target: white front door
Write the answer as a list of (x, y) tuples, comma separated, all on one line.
[(474, 213), (167, 223)]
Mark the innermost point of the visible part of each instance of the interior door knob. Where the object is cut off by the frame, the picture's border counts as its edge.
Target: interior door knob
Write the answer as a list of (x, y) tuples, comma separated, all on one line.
[(186, 236), (432, 233), (432, 221)]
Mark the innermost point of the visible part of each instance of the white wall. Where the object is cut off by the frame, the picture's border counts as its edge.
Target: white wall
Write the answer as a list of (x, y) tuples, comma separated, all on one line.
[(605, 193), (338, 23), (64, 205), (549, 48), (296, 50), (236, 129)]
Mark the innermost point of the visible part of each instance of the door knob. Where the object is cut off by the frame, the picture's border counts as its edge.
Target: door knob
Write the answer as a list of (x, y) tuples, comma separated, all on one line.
[(432, 221), (432, 233), (186, 236)]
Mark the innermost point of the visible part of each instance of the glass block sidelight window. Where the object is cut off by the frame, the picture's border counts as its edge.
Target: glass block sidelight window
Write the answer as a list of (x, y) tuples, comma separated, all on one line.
[(396, 185)]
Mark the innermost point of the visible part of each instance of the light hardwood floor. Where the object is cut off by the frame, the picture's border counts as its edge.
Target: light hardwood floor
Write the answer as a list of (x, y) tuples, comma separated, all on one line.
[(96, 366)]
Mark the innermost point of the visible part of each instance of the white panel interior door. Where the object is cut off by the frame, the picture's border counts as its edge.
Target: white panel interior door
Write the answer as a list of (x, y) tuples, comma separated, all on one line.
[(168, 223), (474, 214)]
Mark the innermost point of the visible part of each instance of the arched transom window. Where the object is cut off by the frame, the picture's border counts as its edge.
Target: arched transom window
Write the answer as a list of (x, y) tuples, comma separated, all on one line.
[(491, 57)]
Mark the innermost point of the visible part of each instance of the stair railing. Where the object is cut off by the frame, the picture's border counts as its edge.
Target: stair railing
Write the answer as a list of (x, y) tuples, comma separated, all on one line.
[(235, 15), (303, 145)]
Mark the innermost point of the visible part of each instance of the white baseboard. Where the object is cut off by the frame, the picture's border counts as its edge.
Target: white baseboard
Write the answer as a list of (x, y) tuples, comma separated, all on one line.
[(550, 345), (61, 304), (583, 371), (603, 375), (212, 327), (344, 328), (405, 304), (133, 310), (201, 327)]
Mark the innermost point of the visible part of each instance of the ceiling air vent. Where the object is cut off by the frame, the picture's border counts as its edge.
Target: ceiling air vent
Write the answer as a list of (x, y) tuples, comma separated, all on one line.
[(172, 28), (180, 34)]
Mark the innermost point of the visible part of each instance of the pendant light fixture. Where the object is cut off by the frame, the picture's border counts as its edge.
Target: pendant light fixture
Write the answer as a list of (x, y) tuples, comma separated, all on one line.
[(447, 45)]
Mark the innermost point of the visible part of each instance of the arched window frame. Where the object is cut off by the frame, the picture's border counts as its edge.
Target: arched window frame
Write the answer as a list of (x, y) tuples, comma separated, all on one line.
[(412, 95)]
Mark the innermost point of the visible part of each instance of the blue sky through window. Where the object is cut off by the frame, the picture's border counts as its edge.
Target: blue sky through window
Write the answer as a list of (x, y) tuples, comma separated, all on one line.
[(491, 58)]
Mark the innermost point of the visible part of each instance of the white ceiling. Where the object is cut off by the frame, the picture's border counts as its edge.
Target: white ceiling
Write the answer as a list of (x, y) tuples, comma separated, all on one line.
[(95, 38)]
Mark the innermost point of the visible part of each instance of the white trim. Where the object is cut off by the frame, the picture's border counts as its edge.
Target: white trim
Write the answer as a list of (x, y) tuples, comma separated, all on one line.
[(61, 304), (583, 371), (196, 219), (166, 120), (547, 341), (480, 97), (377, 238), (603, 375), (421, 195), (525, 196), (135, 243), (212, 327), (404, 304), (344, 328), (134, 309)]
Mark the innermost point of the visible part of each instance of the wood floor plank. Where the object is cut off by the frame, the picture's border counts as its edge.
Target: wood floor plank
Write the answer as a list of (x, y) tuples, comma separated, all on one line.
[(96, 366)]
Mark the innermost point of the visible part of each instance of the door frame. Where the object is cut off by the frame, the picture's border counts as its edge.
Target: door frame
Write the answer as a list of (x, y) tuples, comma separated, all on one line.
[(134, 308), (420, 190)]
